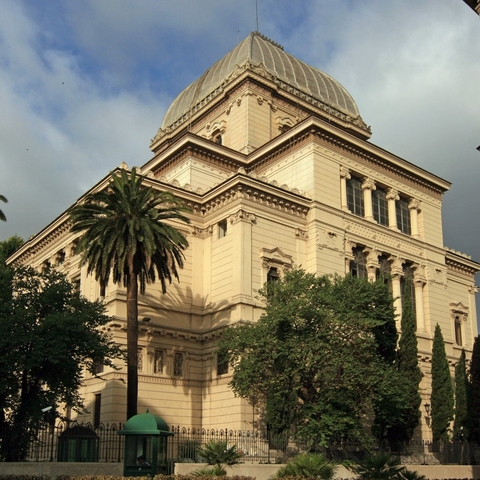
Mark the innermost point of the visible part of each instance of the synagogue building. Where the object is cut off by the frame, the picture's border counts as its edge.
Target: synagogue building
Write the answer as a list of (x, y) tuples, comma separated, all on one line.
[(274, 161)]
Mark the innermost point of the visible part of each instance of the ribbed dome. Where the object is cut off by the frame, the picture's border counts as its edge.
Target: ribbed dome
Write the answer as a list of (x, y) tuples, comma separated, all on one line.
[(259, 50)]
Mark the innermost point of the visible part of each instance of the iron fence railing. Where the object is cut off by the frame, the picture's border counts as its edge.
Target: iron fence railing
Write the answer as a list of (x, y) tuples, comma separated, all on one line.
[(75, 442)]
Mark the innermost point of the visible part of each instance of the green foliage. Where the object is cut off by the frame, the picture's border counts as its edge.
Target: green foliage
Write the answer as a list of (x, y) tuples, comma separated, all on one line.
[(215, 471), (461, 425), (125, 235), (412, 475), (219, 454), (48, 335), (400, 401), (7, 248), (308, 465), (321, 361), (474, 394), (442, 391), (379, 467)]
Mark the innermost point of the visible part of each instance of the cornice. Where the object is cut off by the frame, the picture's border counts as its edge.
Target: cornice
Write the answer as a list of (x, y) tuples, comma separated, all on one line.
[(365, 155), (461, 263)]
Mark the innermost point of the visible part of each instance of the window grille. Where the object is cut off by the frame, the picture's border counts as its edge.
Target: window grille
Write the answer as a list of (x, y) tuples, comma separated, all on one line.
[(140, 359), (178, 364), (159, 361)]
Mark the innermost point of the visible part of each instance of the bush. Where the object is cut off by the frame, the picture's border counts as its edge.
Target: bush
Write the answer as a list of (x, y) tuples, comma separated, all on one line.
[(308, 465)]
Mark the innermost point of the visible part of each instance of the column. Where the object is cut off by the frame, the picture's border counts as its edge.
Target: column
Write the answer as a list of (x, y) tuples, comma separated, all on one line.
[(241, 223), (344, 176), (397, 272), (414, 207), (392, 197), (349, 246), (372, 263), (419, 282), (367, 186)]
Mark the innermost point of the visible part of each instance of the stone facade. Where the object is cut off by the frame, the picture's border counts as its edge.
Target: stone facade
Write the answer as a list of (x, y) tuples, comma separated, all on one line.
[(278, 173)]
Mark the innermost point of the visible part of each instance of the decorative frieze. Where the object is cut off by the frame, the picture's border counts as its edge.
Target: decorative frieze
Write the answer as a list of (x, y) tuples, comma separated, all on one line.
[(380, 238)]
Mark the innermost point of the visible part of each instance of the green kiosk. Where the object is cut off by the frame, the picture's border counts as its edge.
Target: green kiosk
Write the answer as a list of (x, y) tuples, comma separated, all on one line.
[(145, 445)]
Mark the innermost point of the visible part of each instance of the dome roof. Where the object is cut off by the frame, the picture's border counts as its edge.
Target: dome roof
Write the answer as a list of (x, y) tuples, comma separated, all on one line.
[(285, 68)]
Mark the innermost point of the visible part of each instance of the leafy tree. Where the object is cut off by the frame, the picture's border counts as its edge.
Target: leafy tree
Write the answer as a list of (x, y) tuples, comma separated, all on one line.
[(2, 215), (308, 465), (7, 247), (474, 397), (401, 414), (48, 335), (125, 236), (317, 340), (461, 425), (441, 399)]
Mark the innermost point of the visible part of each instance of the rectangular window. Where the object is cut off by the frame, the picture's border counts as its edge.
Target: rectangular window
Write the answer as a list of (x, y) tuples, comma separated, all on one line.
[(458, 330), (178, 365), (380, 206), (403, 216), (99, 366), (97, 407), (355, 196), (222, 229), (222, 362), (159, 361)]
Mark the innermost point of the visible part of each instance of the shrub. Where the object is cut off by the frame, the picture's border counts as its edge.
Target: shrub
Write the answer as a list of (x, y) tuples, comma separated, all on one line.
[(379, 467), (308, 465)]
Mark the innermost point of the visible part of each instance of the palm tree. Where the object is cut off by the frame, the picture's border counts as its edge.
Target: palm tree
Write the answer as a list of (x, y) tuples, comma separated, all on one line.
[(3, 218), (379, 467), (124, 234)]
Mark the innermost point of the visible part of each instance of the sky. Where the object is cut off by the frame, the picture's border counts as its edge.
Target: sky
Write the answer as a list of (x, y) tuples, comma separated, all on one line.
[(84, 86)]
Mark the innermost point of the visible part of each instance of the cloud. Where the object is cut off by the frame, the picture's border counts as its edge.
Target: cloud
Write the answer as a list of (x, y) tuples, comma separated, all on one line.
[(84, 86)]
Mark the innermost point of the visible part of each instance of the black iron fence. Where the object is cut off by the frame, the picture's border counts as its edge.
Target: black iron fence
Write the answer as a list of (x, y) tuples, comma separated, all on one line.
[(74, 442)]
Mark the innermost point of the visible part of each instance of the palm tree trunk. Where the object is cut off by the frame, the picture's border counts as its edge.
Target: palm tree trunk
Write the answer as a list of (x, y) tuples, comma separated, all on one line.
[(132, 342)]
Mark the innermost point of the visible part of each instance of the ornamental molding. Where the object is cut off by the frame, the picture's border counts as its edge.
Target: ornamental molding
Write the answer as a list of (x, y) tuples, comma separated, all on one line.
[(52, 237), (384, 239), (276, 258), (242, 215), (460, 267), (375, 166), (458, 310), (328, 239), (435, 275), (202, 232)]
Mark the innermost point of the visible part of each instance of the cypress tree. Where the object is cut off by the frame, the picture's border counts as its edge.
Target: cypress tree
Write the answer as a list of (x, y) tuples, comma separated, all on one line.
[(397, 403), (442, 391), (461, 424), (475, 392), (408, 368)]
